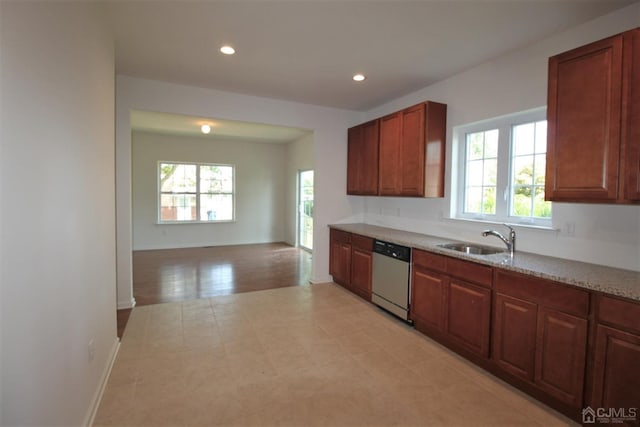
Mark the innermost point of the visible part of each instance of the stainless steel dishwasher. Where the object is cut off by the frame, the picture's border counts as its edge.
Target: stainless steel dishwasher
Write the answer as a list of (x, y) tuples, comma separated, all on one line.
[(390, 281)]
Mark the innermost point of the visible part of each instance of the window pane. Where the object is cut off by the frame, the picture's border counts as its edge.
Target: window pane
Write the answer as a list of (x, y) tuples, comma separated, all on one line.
[(491, 143), (475, 172), (489, 200), (541, 208), (481, 172), (541, 164), (216, 207), (178, 207), (528, 170), (523, 139), (541, 136), (523, 170), (473, 200), (475, 145), (177, 178), (490, 174), (216, 179), (522, 201)]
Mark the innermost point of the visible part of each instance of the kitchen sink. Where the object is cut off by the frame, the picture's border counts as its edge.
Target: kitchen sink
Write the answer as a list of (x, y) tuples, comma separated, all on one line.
[(471, 248)]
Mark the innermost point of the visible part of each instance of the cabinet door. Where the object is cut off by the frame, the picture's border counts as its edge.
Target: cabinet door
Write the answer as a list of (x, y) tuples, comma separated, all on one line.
[(468, 316), (631, 116), (584, 112), (616, 373), (361, 268), (514, 335), (362, 159), (412, 154), (428, 299), (354, 159), (561, 355), (340, 256), (389, 172)]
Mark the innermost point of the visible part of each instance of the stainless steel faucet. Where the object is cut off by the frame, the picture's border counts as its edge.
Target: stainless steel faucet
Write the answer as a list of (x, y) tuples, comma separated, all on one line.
[(510, 242)]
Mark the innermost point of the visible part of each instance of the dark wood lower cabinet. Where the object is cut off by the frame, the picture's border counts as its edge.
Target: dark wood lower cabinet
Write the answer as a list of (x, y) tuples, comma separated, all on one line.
[(616, 373), (561, 355), (514, 335), (565, 346), (340, 257), (468, 316), (428, 298), (361, 266), (351, 261), (616, 359)]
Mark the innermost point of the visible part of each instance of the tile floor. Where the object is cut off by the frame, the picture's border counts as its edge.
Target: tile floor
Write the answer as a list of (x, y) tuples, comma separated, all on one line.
[(298, 356)]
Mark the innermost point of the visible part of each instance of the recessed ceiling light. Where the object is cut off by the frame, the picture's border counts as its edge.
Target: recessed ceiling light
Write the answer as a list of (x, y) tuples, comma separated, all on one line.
[(227, 50), (205, 129), (359, 77)]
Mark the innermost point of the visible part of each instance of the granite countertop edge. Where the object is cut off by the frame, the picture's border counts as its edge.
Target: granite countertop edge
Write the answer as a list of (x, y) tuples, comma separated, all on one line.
[(607, 280)]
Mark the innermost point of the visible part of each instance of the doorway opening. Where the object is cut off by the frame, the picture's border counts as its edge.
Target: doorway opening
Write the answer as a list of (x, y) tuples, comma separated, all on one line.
[(305, 209)]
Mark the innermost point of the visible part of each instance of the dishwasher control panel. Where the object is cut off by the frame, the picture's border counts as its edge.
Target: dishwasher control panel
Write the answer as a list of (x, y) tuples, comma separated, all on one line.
[(392, 250)]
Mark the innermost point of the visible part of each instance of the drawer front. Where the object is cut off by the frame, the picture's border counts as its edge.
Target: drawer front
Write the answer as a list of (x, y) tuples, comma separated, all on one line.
[(429, 260), (339, 236), (543, 292), (618, 312), (361, 242), (469, 271)]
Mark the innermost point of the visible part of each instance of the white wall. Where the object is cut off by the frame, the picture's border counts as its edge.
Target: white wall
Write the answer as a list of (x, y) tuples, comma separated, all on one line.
[(299, 157), (329, 151), (260, 172), (58, 211), (604, 234)]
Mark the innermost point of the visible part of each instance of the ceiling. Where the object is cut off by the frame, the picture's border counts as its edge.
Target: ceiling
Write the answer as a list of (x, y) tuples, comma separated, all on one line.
[(176, 124), (307, 50)]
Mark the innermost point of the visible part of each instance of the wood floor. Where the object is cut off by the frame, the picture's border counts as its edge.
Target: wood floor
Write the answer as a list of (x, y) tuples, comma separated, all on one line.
[(174, 275)]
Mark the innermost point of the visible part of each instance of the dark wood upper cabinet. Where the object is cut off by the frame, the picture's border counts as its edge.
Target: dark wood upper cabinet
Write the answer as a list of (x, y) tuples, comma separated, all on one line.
[(362, 159), (401, 154), (390, 137), (631, 116), (592, 122)]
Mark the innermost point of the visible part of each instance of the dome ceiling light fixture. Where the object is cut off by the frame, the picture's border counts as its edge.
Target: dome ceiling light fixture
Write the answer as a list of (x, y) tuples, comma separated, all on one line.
[(206, 129), (359, 77), (227, 50)]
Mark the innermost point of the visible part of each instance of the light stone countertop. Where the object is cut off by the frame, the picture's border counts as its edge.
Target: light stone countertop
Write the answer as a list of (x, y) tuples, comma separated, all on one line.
[(607, 280)]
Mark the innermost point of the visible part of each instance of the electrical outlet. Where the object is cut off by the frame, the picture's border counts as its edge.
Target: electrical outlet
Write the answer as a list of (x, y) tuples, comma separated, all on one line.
[(570, 228), (91, 349)]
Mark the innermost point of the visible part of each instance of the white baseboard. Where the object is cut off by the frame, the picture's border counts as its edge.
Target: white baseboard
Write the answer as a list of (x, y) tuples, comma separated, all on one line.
[(97, 397), (126, 304)]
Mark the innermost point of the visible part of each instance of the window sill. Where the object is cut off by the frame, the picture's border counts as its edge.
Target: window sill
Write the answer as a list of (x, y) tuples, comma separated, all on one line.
[(194, 222)]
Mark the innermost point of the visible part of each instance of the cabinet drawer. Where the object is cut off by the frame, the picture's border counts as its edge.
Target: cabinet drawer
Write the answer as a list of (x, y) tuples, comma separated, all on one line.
[(470, 271), (361, 242), (543, 292), (429, 260), (619, 312), (339, 236)]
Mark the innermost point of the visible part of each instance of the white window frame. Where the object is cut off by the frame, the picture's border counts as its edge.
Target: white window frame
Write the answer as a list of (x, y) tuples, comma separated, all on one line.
[(159, 193), (504, 124)]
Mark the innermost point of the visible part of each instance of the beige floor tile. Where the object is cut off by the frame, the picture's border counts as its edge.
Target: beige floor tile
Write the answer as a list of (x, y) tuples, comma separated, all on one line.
[(300, 356)]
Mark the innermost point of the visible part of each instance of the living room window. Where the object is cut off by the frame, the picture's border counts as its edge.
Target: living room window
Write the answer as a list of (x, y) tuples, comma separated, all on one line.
[(195, 192), (502, 170)]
